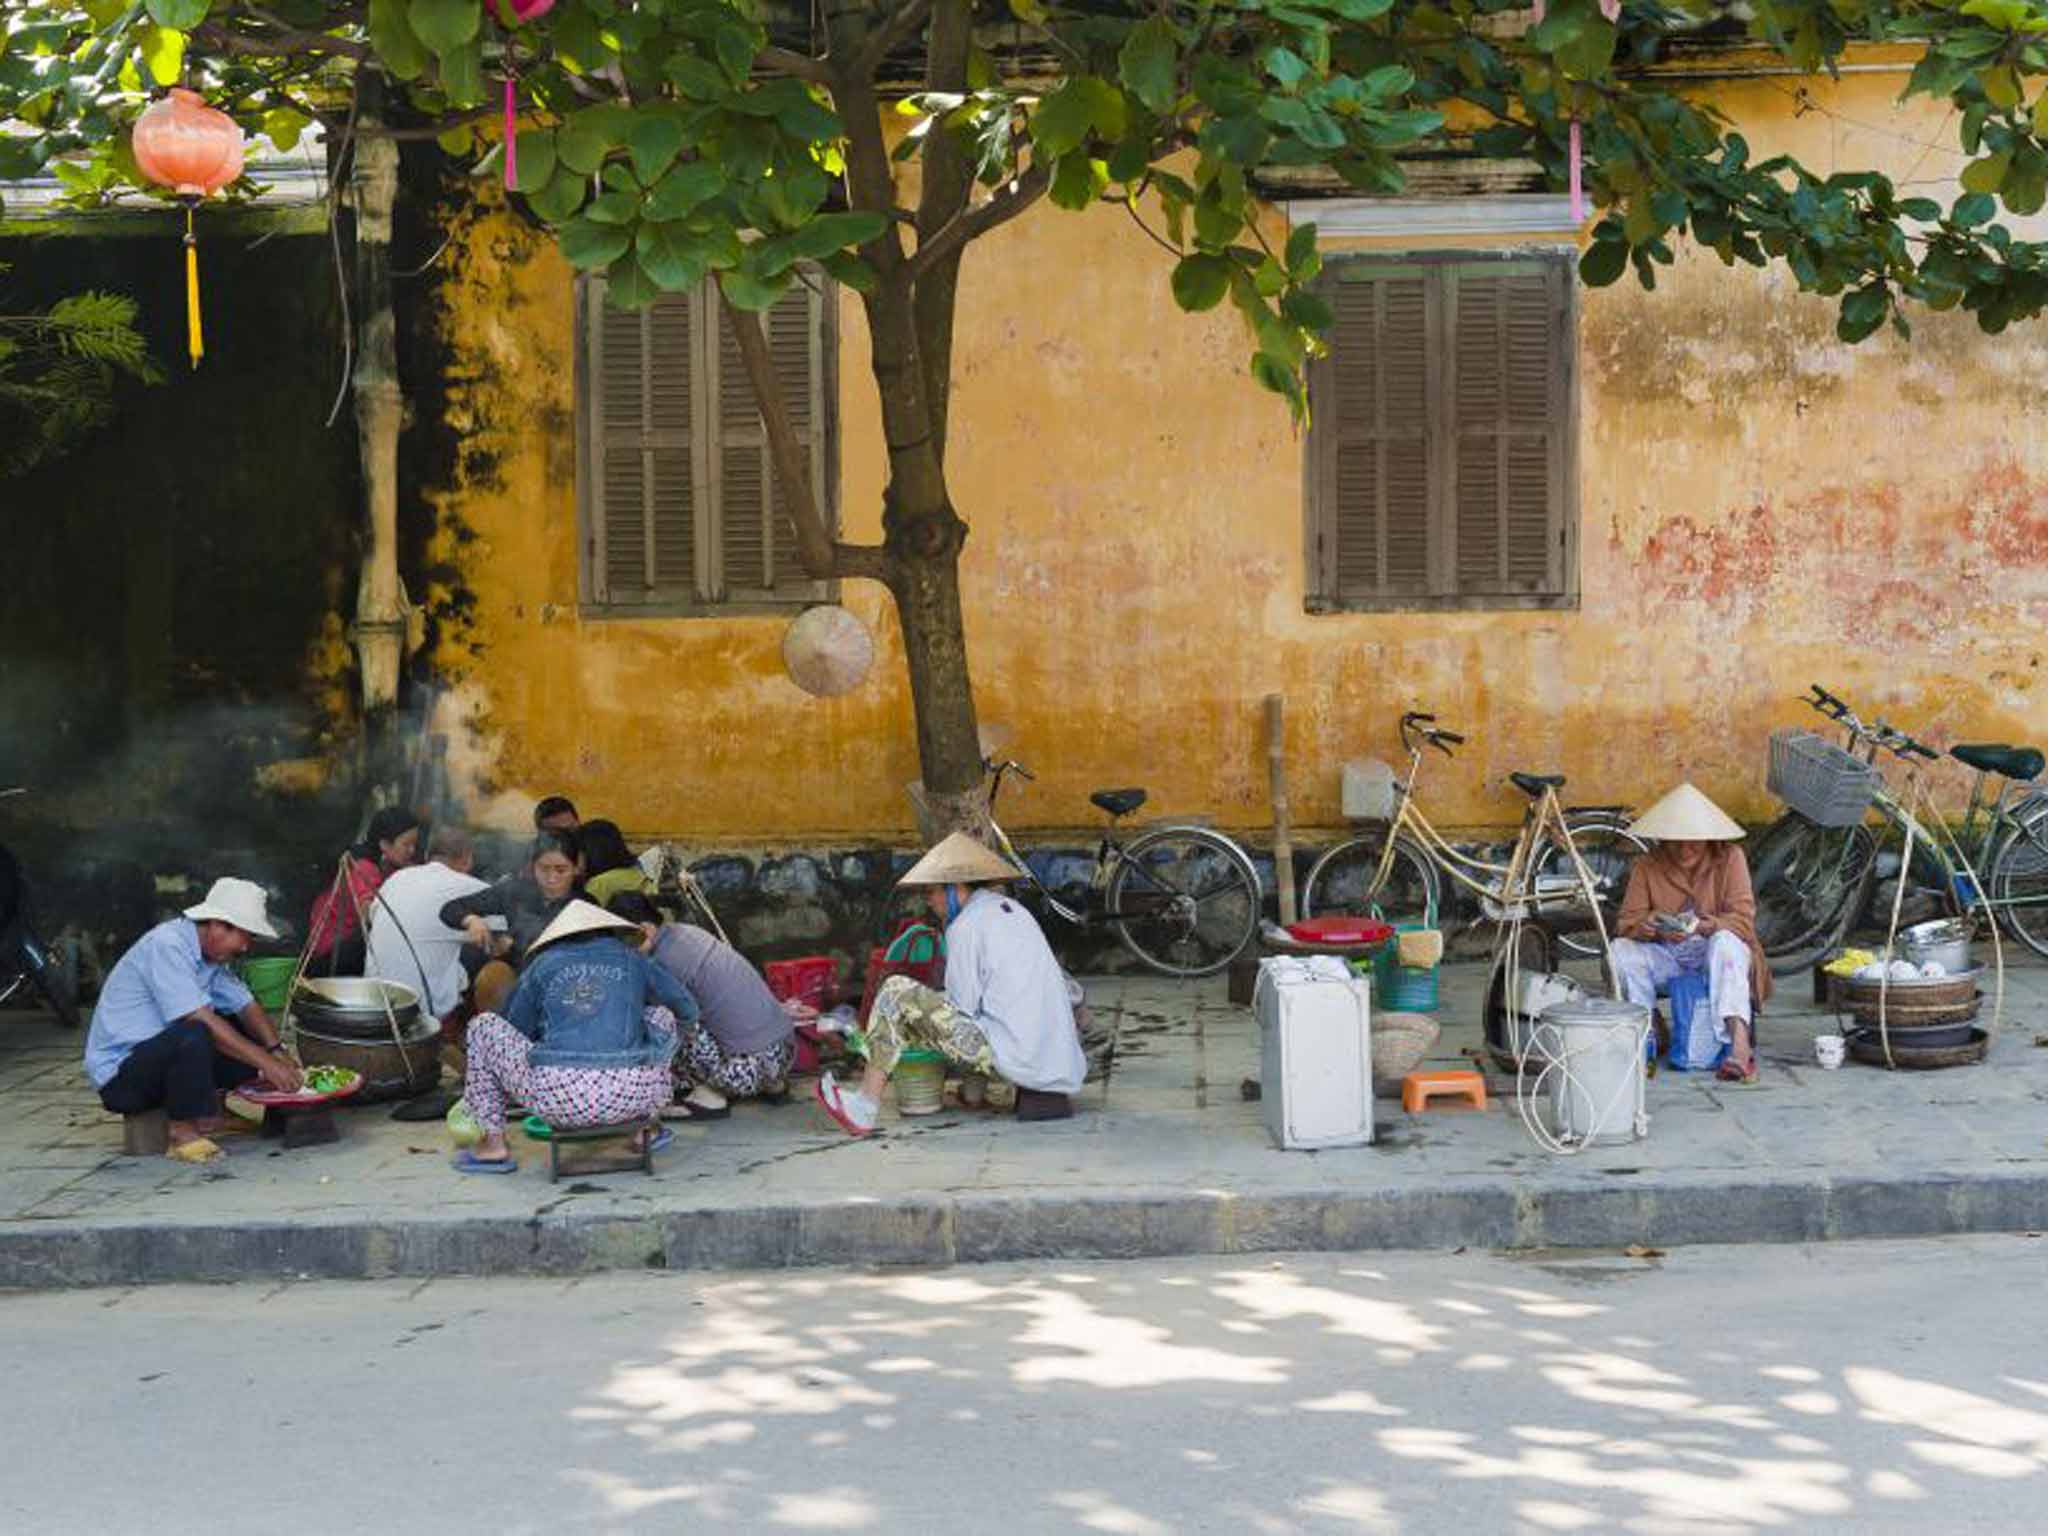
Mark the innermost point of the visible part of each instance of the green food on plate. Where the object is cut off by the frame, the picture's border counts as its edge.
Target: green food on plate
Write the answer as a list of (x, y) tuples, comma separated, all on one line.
[(325, 1079)]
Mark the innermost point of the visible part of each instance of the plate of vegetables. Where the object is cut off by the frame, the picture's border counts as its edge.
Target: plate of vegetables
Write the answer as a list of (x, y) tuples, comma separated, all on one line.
[(322, 1084)]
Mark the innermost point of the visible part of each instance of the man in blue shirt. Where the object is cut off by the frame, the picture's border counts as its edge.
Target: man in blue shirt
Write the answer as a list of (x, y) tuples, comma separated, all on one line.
[(175, 1028)]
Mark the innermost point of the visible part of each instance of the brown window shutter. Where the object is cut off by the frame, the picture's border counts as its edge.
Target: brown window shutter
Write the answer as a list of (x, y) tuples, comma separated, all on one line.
[(758, 557), (640, 486), (671, 399), (1509, 392), (1373, 435)]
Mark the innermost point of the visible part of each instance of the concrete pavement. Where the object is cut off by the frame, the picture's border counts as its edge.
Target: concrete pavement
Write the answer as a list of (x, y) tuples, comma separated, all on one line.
[(1865, 1388), (1166, 1158)]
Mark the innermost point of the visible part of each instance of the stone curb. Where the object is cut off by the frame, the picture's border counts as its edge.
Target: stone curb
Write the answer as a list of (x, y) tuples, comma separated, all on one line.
[(1449, 1213)]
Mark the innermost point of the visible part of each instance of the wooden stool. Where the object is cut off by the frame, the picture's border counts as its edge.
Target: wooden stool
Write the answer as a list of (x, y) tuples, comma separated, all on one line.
[(310, 1125), (1418, 1088), (1035, 1105), (146, 1135), (561, 1159)]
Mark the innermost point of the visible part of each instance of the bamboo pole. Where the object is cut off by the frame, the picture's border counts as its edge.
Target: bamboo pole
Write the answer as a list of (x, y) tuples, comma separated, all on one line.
[(1276, 768)]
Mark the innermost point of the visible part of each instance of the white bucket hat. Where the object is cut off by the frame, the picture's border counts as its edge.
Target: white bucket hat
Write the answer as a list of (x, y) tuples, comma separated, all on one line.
[(581, 917), (240, 903), (1687, 816), (960, 860)]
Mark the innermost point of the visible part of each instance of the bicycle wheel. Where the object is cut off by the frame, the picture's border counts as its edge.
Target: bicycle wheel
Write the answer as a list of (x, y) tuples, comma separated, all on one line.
[(1184, 900), (1811, 884), (1609, 851), (2018, 880), (1341, 882)]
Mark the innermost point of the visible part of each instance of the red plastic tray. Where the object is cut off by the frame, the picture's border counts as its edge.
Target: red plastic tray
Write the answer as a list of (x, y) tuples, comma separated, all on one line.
[(1341, 930)]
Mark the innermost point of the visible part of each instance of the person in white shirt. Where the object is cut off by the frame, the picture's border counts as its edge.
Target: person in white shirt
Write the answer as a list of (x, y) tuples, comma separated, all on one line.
[(1006, 1013), (408, 941)]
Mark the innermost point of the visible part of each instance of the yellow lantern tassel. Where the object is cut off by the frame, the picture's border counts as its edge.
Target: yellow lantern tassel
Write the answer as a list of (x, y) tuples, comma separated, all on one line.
[(194, 333)]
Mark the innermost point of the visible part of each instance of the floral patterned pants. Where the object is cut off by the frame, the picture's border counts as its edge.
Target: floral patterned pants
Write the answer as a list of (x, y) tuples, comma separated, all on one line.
[(500, 1075), (703, 1060)]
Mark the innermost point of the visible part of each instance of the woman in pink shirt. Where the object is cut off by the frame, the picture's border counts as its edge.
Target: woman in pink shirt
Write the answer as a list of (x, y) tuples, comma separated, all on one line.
[(392, 842)]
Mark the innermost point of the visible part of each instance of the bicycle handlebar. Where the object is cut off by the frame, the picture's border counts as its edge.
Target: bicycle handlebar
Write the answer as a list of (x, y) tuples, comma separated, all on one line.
[(1416, 723), (1877, 733)]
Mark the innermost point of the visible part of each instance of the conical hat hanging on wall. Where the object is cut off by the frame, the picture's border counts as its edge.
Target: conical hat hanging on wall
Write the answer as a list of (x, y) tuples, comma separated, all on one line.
[(827, 651)]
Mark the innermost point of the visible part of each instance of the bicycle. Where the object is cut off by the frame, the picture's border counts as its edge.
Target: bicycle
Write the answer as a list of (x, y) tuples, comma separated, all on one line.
[(1814, 867), (1183, 899), (25, 960), (1391, 871)]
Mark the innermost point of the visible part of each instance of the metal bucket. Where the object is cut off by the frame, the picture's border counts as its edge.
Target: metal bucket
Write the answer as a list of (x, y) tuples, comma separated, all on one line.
[(389, 1072), (1596, 1073), (1946, 942), (920, 1080)]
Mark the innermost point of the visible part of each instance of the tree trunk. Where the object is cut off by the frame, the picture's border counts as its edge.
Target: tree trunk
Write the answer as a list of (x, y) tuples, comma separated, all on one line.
[(927, 591), (380, 625)]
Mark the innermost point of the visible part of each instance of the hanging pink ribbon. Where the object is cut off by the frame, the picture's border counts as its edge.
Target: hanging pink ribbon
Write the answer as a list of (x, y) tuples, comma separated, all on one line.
[(511, 133), (1577, 178)]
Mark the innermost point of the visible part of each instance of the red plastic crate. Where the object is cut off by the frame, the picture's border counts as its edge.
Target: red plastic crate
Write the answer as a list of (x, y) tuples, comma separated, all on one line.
[(808, 979)]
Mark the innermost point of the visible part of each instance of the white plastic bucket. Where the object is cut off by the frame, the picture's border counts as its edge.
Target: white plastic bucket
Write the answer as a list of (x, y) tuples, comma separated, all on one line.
[(1596, 1070)]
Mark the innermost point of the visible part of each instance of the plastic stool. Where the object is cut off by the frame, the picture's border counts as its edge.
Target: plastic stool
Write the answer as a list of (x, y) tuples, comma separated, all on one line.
[(566, 1156), (1418, 1088)]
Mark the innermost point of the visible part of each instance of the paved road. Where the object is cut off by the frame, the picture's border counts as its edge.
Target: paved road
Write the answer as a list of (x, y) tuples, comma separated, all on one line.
[(1865, 1387)]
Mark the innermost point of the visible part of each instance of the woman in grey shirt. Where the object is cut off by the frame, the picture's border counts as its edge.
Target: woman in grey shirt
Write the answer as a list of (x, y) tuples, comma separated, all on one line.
[(744, 1038)]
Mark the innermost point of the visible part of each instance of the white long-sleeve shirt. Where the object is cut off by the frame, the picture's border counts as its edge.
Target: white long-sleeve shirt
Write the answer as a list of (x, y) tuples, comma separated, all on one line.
[(1000, 969), (411, 899)]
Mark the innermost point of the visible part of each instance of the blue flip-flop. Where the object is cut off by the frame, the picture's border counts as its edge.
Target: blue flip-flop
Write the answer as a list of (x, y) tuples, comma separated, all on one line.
[(467, 1161), (662, 1138)]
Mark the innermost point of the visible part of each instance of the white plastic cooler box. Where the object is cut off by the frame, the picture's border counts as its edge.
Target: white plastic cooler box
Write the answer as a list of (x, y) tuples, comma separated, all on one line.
[(1315, 1052)]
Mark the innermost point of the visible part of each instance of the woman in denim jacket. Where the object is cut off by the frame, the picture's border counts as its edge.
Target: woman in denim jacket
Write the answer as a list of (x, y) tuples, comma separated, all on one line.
[(586, 1038)]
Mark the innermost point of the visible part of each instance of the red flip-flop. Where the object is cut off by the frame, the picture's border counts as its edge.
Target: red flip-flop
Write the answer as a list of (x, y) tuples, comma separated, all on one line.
[(833, 1106), (1728, 1072)]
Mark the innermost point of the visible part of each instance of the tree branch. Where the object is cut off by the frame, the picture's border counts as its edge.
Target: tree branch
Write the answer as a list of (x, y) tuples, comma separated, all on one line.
[(975, 222), (275, 40), (948, 176), (787, 61), (822, 558), (895, 27)]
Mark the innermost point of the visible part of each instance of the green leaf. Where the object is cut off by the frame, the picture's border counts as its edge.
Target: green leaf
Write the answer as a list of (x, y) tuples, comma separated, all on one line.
[(849, 269), (1085, 103), (671, 256), (830, 232), (1863, 311), (561, 197), (1987, 175), (2041, 116), (1200, 282), (683, 189), (444, 25), (1973, 209), (459, 140), (581, 144), (696, 77), (802, 117), (462, 75), (613, 208), (1077, 181), (748, 292), (1302, 260), (178, 15), (736, 45), (586, 244), (1925, 209), (1149, 64), (163, 55), (536, 160), (1603, 263), (1286, 66), (2001, 87), (627, 286), (654, 140), (391, 34)]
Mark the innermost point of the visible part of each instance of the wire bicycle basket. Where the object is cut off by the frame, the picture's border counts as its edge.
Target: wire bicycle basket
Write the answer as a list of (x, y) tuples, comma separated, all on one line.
[(1822, 782)]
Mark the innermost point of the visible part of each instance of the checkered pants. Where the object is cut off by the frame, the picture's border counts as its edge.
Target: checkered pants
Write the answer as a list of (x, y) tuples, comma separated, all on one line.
[(499, 1075)]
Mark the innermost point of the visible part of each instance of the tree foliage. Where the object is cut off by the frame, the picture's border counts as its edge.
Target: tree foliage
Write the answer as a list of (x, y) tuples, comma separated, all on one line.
[(58, 369)]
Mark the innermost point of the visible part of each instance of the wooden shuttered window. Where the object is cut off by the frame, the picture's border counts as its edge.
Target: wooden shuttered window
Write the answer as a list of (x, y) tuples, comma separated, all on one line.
[(1442, 451), (682, 510)]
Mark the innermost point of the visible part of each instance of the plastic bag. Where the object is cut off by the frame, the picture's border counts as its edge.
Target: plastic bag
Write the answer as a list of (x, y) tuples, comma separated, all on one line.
[(1694, 1046), (462, 1126)]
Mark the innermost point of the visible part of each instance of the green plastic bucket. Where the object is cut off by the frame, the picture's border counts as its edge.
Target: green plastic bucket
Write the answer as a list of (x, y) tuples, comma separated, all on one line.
[(270, 978), (920, 1082)]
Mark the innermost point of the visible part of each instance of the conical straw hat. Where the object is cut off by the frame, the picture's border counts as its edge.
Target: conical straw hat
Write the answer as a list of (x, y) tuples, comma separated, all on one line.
[(827, 651), (581, 917), (960, 860), (1686, 816)]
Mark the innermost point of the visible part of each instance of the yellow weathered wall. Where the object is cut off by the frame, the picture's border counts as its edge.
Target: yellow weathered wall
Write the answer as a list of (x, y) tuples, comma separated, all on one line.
[(1761, 507)]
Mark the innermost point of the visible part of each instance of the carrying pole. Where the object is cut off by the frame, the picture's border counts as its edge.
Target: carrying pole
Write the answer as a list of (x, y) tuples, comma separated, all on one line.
[(1283, 832)]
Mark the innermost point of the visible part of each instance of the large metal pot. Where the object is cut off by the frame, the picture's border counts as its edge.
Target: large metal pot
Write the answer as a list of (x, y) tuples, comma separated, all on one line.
[(400, 1069), (1945, 941), (355, 1007)]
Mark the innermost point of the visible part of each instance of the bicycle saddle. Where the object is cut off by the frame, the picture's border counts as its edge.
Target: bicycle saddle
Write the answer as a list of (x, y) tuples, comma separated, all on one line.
[(1996, 757), (1118, 802), (1534, 784)]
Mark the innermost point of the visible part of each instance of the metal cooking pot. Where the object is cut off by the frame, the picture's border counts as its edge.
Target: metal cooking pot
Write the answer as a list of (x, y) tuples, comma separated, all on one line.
[(1945, 941), (355, 1006), (389, 1071)]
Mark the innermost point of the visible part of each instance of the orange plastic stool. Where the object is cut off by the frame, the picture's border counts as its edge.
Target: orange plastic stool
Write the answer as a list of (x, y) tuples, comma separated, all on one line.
[(1418, 1088)]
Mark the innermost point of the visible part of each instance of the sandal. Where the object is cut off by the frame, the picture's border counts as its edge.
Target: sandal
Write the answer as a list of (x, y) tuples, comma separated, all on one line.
[(1729, 1072), (198, 1150), (467, 1161), (661, 1138)]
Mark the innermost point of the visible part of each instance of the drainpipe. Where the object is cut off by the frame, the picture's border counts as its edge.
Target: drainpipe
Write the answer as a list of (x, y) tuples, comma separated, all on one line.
[(380, 628)]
